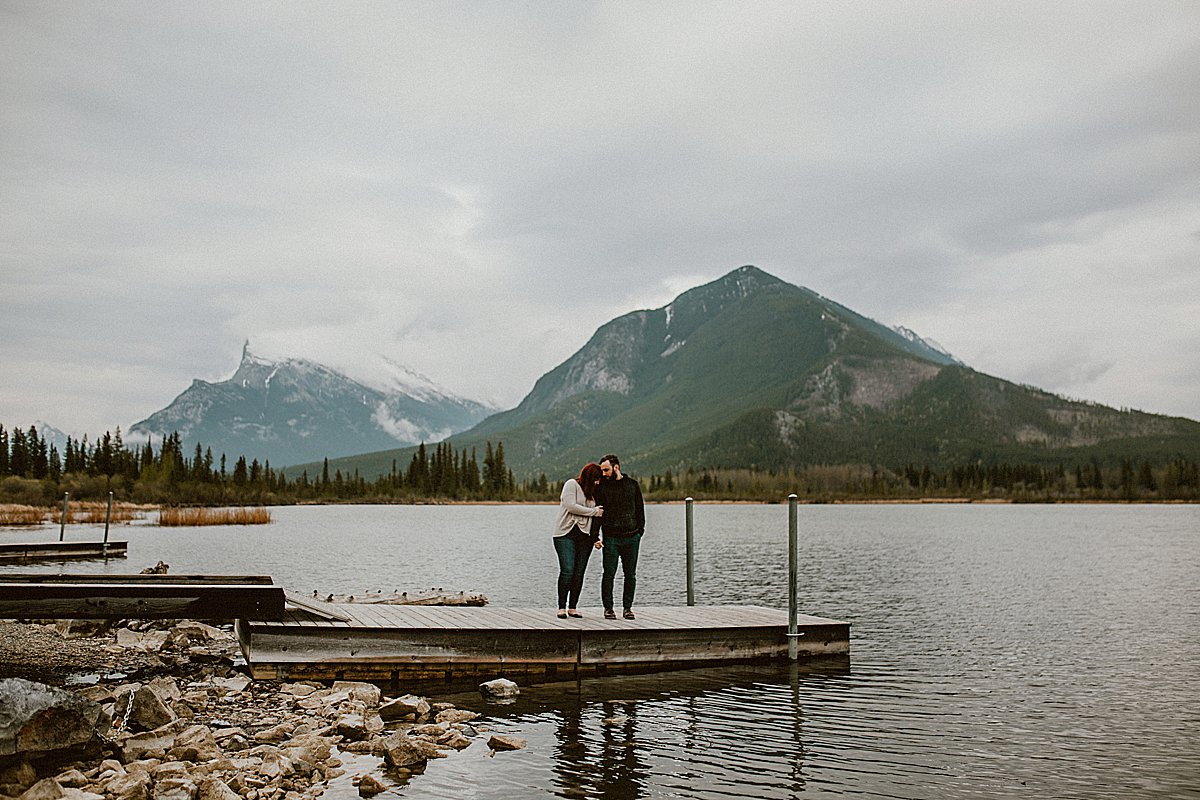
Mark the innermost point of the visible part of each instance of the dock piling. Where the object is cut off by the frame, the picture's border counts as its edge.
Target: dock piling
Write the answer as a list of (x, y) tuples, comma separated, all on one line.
[(793, 556), (691, 594), (62, 522), (107, 518)]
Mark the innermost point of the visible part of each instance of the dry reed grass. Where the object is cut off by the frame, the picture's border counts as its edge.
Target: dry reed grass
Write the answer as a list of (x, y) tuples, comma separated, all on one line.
[(187, 517), (95, 511), (12, 515)]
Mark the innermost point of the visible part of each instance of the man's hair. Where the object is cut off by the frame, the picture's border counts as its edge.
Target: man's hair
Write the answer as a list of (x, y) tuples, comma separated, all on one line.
[(612, 459)]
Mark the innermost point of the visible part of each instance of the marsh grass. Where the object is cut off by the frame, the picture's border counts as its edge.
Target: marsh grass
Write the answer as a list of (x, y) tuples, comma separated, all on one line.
[(12, 514), (188, 517), (88, 512)]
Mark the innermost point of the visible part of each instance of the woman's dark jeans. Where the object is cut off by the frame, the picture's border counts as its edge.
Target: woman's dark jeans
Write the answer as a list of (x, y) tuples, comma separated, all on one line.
[(573, 550)]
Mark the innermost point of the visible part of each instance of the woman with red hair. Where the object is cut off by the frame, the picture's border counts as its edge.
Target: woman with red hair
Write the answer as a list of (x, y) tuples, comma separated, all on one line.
[(573, 537)]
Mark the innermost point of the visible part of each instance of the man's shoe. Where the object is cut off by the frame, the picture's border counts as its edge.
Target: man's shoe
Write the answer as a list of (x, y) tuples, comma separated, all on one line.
[(610, 614), (628, 614)]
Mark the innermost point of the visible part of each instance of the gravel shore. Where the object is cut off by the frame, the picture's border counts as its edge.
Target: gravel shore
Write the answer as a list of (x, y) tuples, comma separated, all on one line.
[(40, 653)]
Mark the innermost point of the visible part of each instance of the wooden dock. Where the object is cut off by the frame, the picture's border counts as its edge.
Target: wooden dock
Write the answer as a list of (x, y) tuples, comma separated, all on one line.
[(23, 552), (39, 596), (419, 644)]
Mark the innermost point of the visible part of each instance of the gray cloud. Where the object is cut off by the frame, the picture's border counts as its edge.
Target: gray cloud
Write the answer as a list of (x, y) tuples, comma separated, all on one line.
[(470, 189)]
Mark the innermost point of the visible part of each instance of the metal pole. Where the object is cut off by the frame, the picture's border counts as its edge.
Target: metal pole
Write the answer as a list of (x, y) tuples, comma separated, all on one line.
[(107, 517), (793, 650), (691, 592), (62, 522)]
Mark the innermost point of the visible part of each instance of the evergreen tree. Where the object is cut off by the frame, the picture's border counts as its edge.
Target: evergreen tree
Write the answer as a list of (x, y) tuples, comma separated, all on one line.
[(39, 465), (490, 480), (1145, 479), (504, 477), (4, 462), (19, 459), (55, 467), (418, 471), (197, 471), (240, 476)]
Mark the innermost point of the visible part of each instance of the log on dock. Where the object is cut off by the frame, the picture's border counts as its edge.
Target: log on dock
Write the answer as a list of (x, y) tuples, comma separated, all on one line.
[(431, 597)]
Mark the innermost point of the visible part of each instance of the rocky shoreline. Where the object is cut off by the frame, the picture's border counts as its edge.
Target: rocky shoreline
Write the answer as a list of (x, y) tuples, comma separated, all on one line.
[(160, 711)]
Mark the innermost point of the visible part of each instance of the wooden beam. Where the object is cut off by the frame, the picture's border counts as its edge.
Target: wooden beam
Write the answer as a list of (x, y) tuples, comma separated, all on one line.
[(139, 600), (146, 578), (35, 551), (315, 606)]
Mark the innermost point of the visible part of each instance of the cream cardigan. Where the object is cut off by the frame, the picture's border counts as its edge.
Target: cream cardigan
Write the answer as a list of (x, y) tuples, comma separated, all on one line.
[(574, 509)]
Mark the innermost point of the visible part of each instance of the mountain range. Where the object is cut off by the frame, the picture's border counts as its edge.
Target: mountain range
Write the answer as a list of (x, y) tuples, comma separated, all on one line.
[(293, 410), (751, 371)]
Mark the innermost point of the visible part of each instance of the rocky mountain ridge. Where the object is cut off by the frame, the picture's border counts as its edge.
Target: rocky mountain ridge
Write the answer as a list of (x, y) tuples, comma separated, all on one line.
[(751, 371), (295, 410)]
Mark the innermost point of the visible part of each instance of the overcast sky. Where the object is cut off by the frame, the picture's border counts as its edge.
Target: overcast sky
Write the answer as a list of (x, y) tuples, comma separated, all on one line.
[(472, 189)]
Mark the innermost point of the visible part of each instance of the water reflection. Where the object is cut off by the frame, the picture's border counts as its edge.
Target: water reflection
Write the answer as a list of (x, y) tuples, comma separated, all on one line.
[(711, 733), (610, 768)]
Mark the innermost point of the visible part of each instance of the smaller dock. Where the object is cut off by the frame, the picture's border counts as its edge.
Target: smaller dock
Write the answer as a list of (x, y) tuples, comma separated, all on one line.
[(424, 644), (52, 551), (38, 596)]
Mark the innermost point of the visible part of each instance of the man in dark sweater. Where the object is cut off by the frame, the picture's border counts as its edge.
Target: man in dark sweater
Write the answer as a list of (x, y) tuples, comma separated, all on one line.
[(622, 526)]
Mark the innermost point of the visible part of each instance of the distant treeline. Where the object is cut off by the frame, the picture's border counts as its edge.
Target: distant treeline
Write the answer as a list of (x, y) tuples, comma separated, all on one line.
[(35, 473)]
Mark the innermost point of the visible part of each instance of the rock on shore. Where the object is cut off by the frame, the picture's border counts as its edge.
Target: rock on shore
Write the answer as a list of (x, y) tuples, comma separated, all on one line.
[(185, 725)]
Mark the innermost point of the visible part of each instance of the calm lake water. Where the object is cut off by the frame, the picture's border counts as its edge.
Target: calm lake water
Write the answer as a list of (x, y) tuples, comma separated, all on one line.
[(997, 651)]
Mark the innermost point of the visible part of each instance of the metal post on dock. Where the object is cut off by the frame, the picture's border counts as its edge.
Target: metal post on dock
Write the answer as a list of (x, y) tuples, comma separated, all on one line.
[(792, 635), (691, 593), (107, 517), (62, 522)]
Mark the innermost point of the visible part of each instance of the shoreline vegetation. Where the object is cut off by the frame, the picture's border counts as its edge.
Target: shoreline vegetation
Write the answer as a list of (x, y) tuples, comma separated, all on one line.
[(34, 474), (17, 516), (200, 516)]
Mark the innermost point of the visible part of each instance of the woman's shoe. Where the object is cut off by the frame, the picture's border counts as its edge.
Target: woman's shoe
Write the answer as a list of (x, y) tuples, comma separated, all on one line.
[(574, 613), (628, 614), (610, 614), (562, 613)]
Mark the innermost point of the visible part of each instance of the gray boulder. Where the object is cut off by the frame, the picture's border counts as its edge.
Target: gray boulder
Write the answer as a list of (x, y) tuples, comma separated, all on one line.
[(368, 786), (36, 718), (147, 710), (401, 750), (499, 742), (45, 789), (451, 715), (195, 744), (407, 707), (499, 689), (216, 789), (136, 746), (131, 786), (16, 777)]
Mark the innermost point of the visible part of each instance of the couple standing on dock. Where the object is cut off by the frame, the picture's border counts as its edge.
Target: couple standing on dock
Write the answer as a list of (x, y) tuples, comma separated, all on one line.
[(601, 509)]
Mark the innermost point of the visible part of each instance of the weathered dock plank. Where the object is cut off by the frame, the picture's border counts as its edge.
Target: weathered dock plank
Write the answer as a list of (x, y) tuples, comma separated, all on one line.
[(430, 643), (26, 596), (22, 552)]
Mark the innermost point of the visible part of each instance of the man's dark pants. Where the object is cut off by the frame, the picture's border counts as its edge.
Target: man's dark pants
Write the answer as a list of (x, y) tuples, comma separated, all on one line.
[(624, 548)]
